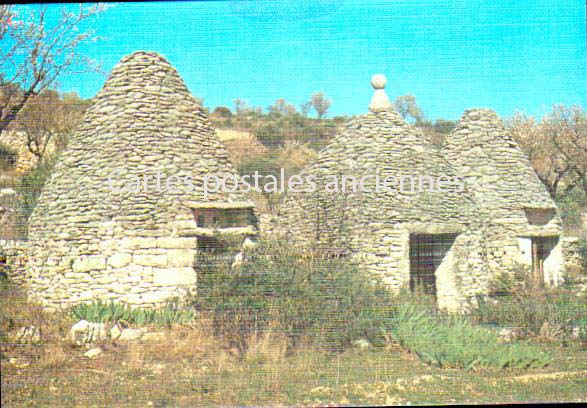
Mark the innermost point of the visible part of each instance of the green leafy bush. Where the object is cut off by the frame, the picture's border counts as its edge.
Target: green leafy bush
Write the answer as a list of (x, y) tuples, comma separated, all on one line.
[(109, 312), (309, 299), (452, 341)]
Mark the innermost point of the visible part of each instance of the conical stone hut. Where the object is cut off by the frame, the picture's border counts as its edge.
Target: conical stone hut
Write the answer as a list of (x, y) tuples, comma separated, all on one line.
[(125, 213), (523, 228), (387, 199)]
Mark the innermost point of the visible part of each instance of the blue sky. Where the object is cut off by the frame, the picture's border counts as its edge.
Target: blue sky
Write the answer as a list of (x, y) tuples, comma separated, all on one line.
[(452, 55)]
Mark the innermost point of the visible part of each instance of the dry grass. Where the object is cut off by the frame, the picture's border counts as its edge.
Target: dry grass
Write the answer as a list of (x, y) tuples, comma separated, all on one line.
[(231, 134), (188, 366), (244, 148), (294, 156), (268, 347), (53, 356)]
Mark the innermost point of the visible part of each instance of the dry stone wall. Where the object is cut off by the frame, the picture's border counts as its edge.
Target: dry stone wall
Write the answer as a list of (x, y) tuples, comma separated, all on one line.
[(511, 199), (92, 238), (14, 260), (572, 253), (373, 228)]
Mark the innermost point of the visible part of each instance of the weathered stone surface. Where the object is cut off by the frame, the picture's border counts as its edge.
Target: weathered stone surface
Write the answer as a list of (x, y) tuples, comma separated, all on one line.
[(115, 331), (106, 215), (174, 276), (89, 263), (131, 334), (488, 189), (179, 243), (150, 260), (93, 353), (181, 257), (371, 225), (507, 192), (27, 334), (84, 332), (119, 260)]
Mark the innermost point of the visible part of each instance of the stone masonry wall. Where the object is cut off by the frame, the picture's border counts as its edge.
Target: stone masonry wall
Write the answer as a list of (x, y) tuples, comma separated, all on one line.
[(504, 185), (572, 253), (373, 228), (14, 260), (95, 234)]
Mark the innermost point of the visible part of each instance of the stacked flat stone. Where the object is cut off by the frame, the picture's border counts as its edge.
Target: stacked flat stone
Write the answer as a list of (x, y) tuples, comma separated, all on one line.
[(91, 241), (373, 228), (504, 186)]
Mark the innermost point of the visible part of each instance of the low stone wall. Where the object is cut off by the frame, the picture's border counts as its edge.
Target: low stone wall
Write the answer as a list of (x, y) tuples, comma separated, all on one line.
[(14, 259), (139, 271)]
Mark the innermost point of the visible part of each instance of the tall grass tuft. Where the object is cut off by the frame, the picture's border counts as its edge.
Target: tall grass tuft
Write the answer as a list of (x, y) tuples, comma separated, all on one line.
[(109, 312), (452, 341)]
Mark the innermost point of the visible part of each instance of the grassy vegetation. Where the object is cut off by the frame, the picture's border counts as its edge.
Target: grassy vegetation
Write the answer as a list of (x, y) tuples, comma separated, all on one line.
[(282, 330), (109, 312), (317, 301), (452, 341), (192, 367), (537, 312)]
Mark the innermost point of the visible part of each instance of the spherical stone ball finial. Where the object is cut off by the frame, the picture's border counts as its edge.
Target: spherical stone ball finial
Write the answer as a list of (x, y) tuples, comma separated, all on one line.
[(379, 101), (378, 81)]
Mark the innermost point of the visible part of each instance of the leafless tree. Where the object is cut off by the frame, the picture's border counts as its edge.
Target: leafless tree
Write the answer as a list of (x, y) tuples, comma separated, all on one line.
[(37, 51), (48, 120), (321, 104), (305, 108), (406, 105), (282, 107), (241, 107), (556, 146)]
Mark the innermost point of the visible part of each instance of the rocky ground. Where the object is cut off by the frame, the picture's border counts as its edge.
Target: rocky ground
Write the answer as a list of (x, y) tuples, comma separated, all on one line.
[(54, 360)]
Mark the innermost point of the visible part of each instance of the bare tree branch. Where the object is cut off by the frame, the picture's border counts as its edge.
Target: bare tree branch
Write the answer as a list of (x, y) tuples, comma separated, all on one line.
[(38, 51)]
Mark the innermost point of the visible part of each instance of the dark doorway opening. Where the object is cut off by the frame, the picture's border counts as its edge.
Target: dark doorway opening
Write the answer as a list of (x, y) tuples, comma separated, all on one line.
[(426, 254), (541, 249)]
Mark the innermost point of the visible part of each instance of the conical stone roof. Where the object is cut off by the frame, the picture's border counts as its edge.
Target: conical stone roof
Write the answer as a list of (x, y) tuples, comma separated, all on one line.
[(143, 124), (374, 228), (499, 173), (379, 143)]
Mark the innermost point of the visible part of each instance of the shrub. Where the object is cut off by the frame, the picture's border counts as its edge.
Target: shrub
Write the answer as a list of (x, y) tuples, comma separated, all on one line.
[(324, 301), (508, 284), (31, 184), (583, 252), (531, 310), (570, 211), (223, 112), (452, 341), (109, 312), (8, 158)]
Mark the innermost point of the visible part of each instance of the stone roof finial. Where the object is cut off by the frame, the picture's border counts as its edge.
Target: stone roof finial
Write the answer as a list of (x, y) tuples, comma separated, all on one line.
[(380, 101)]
